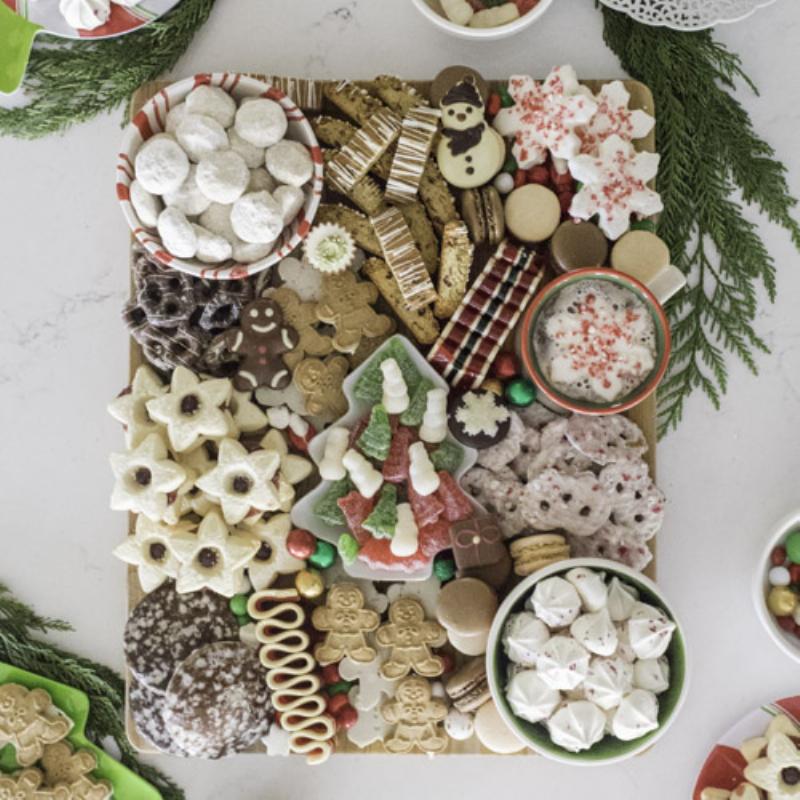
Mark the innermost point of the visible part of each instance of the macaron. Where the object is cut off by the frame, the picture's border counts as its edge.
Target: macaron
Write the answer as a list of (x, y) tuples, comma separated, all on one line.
[(532, 212), (493, 733), (531, 553), (466, 608), (468, 688), (640, 254), (577, 244), (482, 210)]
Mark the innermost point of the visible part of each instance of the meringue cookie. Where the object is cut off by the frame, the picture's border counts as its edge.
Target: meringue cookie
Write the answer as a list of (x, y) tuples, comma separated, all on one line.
[(624, 649), (621, 600), (187, 197), (289, 162), (596, 632), (211, 248), (256, 217), (590, 586), (608, 681), (247, 252), (291, 200), (253, 156), (85, 14), (161, 165), (261, 122), (530, 697), (563, 663), (200, 135), (650, 631), (651, 674), (556, 602), (261, 181), (177, 233), (577, 726), (174, 117), (146, 205), (212, 101), (523, 638), (637, 715), (222, 176), (217, 219)]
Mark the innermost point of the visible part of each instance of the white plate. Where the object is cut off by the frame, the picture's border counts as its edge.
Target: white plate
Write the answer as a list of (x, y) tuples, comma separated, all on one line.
[(687, 15)]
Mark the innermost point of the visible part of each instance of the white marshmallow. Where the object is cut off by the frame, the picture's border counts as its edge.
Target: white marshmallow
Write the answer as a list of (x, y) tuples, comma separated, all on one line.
[(199, 135), (214, 102), (175, 116), (177, 233), (331, 467), (434, 422), (289, 162), (364, 476), (248, 252), (421, 472), (261, 122), (298, 426), (257, 218), (85, 14), (217, 219), (147, 206), (211, 248), (395, 392), (291, 200), (405, 541), (458, 11), (261, 181), (278, 417), (253, 156), (161, 165), (222, 176), (187, 197)]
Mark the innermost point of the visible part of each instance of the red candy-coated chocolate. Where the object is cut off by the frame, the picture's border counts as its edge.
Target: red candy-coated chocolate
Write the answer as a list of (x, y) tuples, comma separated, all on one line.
[(794, 573), (346, 718), (524, 6), (449, 663), (301, 544), (539, 174), (330, 674), (787, 623), (562, 180), (565, 201), (520, 178), (493, 106), (778, 556), (505, 366), (336, 703)]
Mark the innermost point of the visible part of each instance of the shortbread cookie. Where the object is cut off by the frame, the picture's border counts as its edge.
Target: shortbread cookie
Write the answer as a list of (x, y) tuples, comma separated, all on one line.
[(345, 622), (27, 785), (217, 701), (65, 767), (606, 439), (417, 717)]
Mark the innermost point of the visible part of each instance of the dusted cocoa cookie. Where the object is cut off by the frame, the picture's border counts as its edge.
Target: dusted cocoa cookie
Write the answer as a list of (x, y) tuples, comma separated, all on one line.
[(217, 702), (166, 627), (146, 707)]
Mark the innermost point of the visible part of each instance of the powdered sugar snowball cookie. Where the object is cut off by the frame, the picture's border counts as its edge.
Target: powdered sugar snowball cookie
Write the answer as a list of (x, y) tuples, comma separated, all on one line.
[(222, 176), (291, 200), (591, 587), (217, 702), (289, 162), (261, 122), (177, 233), (608, 681), (459, 725), (161, 165), (615, 186), (606, 439), (257, 218), (637, 504), (261, 181), (596, 632), (146, 707), (213, 102), (199, 135), (211, 248), (85, 15), (523, 638), (247, 252), (650, 631), (556, 602), (146, 205), (174, 117), (253, 156), (217, 219), (530, 697), (188, 198), (636, 715), (621, 600), (577, 726)]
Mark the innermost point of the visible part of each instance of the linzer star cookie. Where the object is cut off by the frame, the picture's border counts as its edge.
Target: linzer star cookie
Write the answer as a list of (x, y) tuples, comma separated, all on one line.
[(130, 407), (272, 557)]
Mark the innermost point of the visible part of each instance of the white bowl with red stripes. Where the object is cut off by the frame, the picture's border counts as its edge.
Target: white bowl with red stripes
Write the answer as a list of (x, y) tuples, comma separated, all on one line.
[(151, 119)]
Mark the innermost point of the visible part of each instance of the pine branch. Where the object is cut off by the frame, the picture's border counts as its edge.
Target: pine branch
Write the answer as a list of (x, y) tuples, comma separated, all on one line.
[(709, 155), (71, 81)]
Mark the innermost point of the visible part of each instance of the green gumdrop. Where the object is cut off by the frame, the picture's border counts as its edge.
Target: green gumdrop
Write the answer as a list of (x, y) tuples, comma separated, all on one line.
[(243, 619), (644, 225), (323, 556), (444, 569), (327, 509), (369, 386), (382, 522), (520, 392), (510, 165), (348, 548), (506, 100), (447, 456), (793, 547), (417, 404), (238, 604), (377, 436)]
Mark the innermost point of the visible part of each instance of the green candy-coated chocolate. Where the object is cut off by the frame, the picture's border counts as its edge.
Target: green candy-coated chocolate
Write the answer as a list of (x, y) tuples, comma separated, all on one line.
[(243, 619), (643, 225), (323, 556), (506, 100), (792, 545), (520, 392), (348, 548), (444, 569), (510, 165), (238, 605), (340, 687)]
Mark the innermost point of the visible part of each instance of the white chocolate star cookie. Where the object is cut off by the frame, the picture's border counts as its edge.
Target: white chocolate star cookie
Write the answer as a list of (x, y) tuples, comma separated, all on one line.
[(130, 407), (272, 558), (246, 414)]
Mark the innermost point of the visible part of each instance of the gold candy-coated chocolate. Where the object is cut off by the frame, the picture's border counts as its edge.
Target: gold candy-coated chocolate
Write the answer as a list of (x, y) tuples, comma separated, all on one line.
[(781, 601), (493, 385), (309, 583)]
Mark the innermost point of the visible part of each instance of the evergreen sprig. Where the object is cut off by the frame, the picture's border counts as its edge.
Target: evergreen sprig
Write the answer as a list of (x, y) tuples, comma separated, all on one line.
[(70, 81), (105, 688), (712, 162)]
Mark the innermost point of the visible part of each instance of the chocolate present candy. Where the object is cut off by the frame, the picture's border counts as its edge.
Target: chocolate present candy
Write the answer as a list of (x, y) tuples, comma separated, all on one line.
[(477, 541)]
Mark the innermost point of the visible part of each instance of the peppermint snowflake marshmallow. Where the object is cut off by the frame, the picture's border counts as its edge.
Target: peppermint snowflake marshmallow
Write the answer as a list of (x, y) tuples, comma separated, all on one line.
[(615, 186)]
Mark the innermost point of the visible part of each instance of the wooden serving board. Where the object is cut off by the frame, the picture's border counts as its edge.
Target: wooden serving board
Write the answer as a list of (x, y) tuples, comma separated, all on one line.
[(308, 94)]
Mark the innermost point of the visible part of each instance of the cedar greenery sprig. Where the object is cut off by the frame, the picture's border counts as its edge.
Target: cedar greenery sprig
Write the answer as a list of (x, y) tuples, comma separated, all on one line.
[(70, 81), (104, 687), (710, 154)]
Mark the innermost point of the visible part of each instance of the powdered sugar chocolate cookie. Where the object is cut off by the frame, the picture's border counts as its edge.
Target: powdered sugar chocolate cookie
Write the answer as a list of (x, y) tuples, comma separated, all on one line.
[(217, 702), (146, 707), (606, 439)]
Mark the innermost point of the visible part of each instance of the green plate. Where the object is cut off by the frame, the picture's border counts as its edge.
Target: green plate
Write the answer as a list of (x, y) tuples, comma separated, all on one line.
[(75, 704)]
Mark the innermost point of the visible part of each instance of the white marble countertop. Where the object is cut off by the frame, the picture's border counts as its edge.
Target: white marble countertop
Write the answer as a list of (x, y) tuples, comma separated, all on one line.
[(728, 475)]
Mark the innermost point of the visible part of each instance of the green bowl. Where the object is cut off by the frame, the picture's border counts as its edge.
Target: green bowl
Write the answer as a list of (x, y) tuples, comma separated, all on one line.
[(75, 704), (609, 750)]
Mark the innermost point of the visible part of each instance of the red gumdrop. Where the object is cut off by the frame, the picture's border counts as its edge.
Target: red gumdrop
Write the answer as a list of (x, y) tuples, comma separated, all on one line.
[(330, 674), (505, 366), (778, 556), (336, 703), (787, 623), (457, 505), (539, 174), (395, 468), (301, 544), (356, 509), (346, 718), (426, 509)]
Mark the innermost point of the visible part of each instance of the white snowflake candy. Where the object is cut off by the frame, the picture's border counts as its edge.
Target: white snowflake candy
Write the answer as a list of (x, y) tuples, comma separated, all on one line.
[(615, 186), (480, 413), (544, 116)]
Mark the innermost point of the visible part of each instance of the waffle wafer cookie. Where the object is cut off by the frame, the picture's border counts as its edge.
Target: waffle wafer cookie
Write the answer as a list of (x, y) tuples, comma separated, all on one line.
[(531, 553)]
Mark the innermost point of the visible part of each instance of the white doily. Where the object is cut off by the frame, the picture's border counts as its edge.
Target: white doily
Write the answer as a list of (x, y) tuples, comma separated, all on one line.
[(687, 15)]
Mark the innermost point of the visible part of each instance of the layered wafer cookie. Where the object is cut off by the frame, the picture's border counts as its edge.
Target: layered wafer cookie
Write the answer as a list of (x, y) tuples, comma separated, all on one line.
[(418, 130), (421, 323), (404, 259), (454, 266), (531, 553)]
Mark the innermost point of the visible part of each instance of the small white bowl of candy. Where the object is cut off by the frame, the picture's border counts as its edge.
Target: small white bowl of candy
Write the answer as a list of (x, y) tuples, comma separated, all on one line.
[(482, 20)]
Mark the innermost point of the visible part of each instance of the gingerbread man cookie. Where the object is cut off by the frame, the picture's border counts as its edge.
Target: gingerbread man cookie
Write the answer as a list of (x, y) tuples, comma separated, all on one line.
[(302, 316), (259, 341), (347, 305), (27, 785), (345, 622), (416, 715), (64, 767), (410, 637), (321, 384)]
